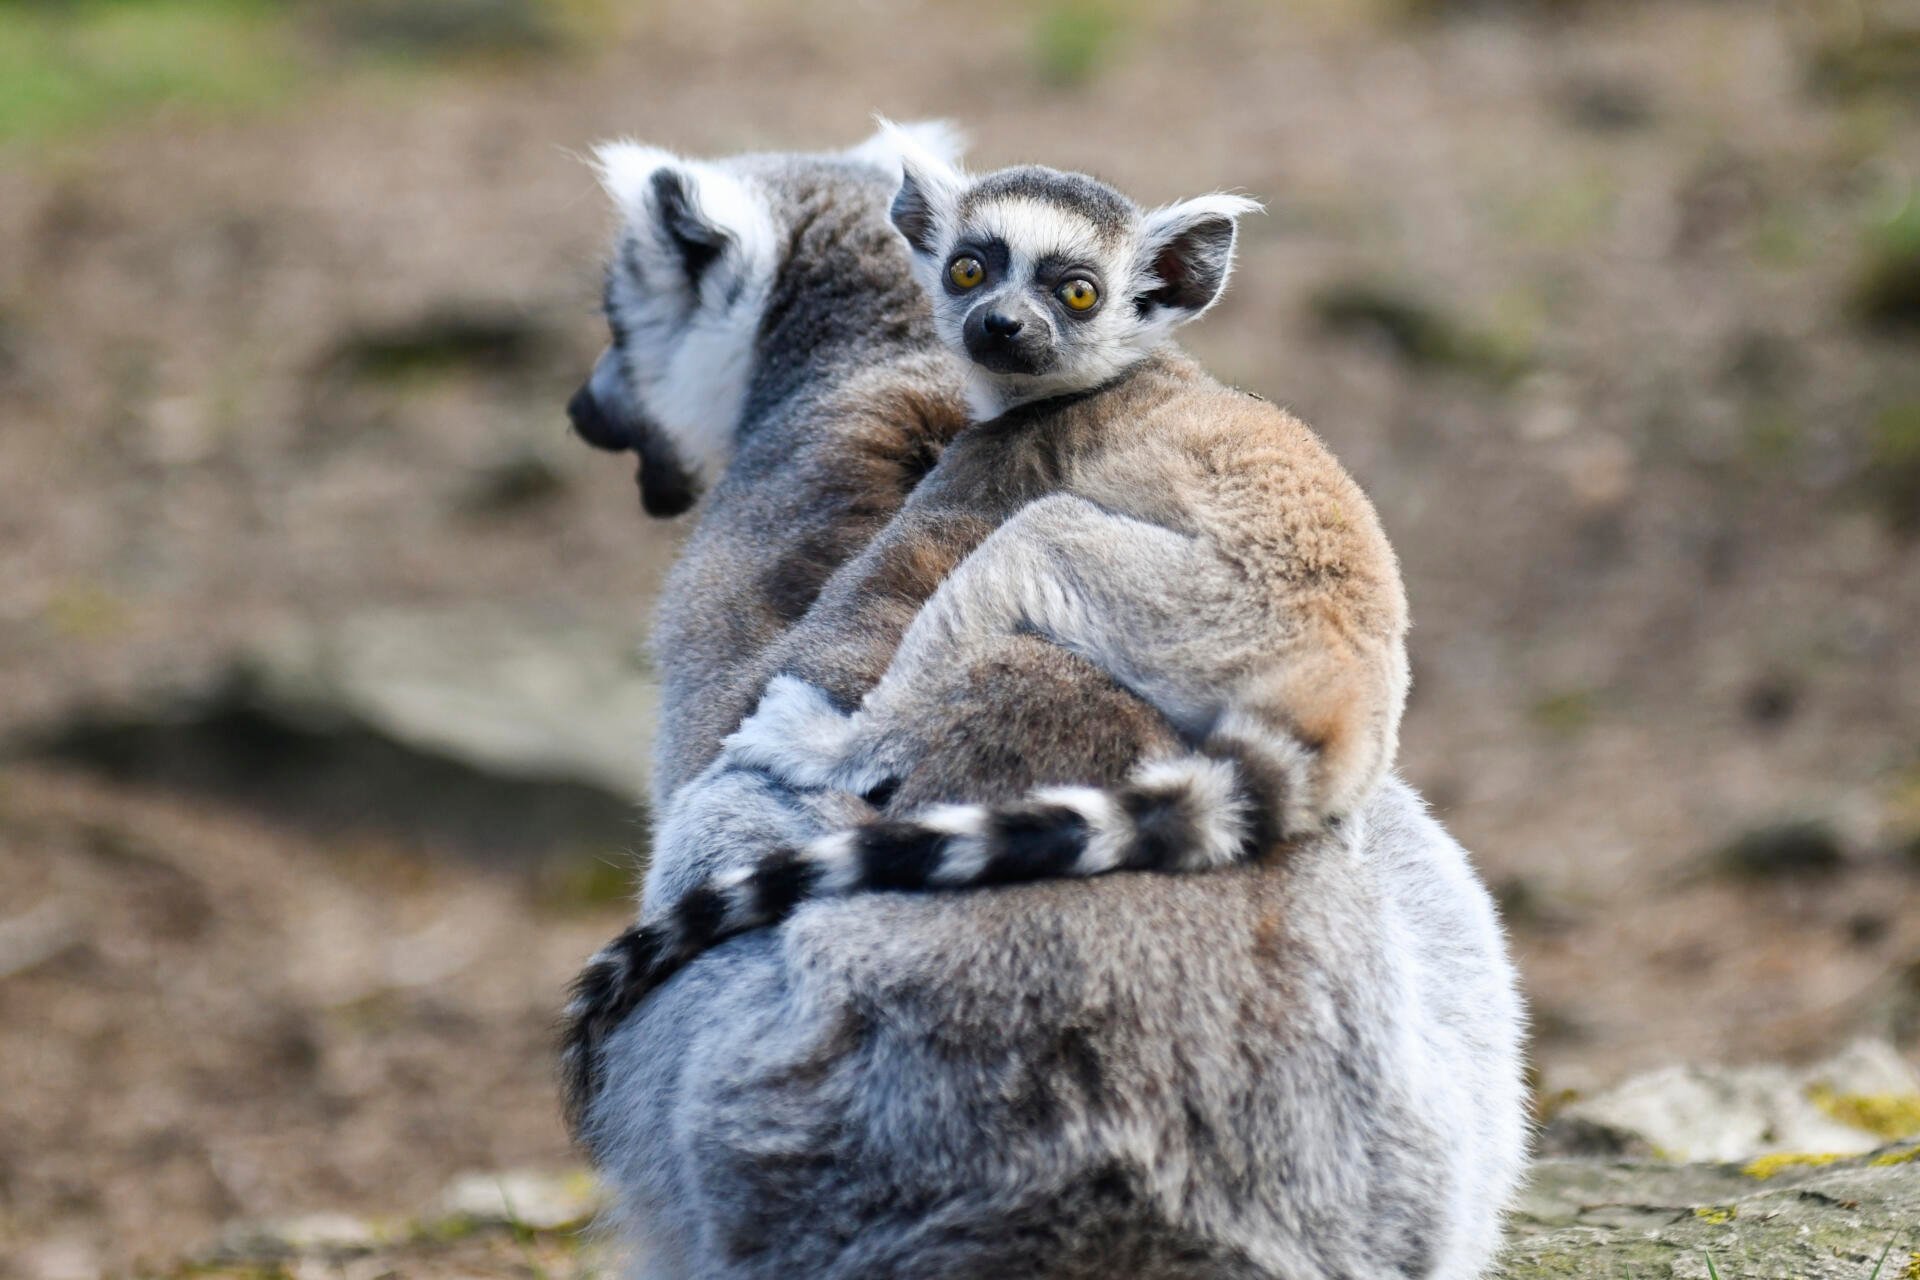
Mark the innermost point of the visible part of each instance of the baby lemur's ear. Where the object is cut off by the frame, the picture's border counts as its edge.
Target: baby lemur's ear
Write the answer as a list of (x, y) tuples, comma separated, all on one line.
[(1187, 253), (686, 218), (929, 187)]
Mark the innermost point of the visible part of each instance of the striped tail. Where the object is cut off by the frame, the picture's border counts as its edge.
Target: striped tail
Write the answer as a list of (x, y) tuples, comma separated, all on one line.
[(1240, 795)]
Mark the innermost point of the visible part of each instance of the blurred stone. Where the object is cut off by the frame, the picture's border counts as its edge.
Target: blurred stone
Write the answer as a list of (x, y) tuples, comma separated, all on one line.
[(525, 1213), (1829, 1220), (508, 694), (1740, 1113), (495, 733), (35, 936), (62, 1259), (322, 1235), (540, 1201)]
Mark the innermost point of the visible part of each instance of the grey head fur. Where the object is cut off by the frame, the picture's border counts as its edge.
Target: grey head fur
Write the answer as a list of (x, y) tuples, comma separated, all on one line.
[(714, 303), (793, 380), (1050, 282)]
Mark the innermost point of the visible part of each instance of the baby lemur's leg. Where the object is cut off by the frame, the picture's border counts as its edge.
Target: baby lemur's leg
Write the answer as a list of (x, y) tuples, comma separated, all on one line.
[(1162, 613), (1022, 713)]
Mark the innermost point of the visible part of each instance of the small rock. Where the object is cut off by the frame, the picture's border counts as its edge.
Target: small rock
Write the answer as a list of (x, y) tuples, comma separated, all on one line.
[(62, 1259), (322, 1235), (518, 696), (35, 936), (1739, 1113), (540, 1201), (507, 736)]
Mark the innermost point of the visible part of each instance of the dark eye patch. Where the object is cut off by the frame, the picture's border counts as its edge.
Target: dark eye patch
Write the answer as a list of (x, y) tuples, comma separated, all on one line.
[(1056, 269), (992, 253)]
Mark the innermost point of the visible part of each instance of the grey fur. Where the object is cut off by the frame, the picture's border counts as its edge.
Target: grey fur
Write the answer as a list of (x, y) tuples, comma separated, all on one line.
[(1254, 1073), (1305, 1070)]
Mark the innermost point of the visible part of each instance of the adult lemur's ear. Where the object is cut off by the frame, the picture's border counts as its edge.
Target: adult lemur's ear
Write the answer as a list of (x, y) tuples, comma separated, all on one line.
[(1188, 253), (941, 138), (686, 218), (683, 225), (929, 184)]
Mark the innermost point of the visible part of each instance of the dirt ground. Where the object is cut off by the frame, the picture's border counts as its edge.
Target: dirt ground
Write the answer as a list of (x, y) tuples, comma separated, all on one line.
[(1606, 309)]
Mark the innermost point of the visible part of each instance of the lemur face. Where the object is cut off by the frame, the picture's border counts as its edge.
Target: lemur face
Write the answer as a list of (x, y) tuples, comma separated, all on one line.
[(682, 300), (1051, 282), (699, 246)]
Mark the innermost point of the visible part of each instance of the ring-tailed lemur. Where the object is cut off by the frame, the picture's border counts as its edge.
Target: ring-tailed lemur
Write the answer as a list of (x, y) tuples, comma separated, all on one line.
[(1197, 545), (1306, 1069)]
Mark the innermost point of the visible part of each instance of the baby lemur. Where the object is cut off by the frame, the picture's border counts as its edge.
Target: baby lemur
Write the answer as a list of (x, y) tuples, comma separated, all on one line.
[(1197, 544)]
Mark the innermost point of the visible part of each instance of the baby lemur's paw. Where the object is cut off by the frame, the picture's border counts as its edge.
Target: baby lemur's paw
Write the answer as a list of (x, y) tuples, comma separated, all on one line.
[(801, 738)]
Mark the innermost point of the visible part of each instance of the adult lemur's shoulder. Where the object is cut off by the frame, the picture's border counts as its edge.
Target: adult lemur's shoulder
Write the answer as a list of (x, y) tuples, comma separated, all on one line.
[(1197, 545), (772, 360)]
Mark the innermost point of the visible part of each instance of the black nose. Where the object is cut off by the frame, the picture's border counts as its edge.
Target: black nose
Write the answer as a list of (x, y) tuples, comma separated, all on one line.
[(1001, 325), (592, 423)]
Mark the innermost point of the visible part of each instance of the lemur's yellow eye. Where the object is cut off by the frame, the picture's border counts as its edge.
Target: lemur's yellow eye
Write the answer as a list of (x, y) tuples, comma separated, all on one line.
[(966, 272), (1079, 295)]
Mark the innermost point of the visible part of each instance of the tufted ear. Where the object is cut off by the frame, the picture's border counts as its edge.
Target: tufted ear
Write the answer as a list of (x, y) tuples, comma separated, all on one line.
[(938, 138), (1187, 254), (930, 185), (685, 217)]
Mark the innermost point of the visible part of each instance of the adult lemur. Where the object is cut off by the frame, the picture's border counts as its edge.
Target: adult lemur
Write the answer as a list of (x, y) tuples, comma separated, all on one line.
[(1199, 546), (1306, 1068)]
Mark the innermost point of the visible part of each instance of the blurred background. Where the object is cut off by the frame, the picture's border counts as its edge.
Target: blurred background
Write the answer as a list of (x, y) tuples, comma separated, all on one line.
[(318, 687)]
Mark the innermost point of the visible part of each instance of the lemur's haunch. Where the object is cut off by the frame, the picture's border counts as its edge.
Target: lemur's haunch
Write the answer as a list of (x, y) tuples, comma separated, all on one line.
[(1196, 544)]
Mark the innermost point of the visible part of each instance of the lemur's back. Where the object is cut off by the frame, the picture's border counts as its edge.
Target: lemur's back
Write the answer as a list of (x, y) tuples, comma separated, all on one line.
[(1311, 561)]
